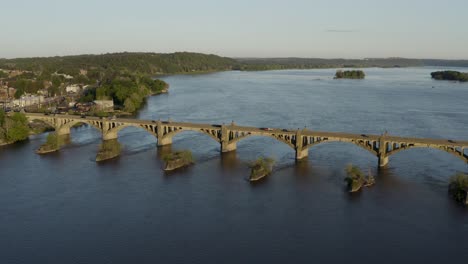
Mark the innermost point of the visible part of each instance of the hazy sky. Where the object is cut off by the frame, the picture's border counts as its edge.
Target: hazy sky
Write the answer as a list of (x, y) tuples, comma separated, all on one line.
[(237, 28)]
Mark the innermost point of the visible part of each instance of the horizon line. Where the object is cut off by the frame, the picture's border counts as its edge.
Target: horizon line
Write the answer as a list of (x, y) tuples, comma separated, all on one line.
[(234, 57)]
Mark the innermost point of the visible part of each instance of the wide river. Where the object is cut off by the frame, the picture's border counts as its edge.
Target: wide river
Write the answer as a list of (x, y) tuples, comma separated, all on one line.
[(65, 208)]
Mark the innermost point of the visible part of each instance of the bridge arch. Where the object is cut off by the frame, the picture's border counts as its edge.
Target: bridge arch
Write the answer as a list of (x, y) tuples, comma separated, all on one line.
[(70, 123), (48, 121), (278, 138), (454, 152), (116, 127), (214, 134), (361, 144)]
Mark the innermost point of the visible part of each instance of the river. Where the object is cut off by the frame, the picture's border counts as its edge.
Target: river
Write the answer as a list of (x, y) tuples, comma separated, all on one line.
[(65, 208)]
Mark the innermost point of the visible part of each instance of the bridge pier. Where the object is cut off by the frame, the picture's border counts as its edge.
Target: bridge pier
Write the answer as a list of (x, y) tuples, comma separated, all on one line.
[(63, 130), (109, 135), (164, 141), (302, 154), (227, 147), (383, 161)]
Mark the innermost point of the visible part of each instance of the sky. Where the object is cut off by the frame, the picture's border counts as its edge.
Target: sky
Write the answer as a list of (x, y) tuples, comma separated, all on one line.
[(237, 28)]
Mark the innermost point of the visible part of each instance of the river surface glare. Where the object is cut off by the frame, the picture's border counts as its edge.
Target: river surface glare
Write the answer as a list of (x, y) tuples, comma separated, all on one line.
[(66, 208)]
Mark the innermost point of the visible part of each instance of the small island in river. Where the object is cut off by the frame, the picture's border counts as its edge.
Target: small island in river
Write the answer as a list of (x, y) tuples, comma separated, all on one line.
[(354, 74), (261, 168), (109, 149), (355, 179), (450, 76), (52, 144), (177, 160), (458, 188)]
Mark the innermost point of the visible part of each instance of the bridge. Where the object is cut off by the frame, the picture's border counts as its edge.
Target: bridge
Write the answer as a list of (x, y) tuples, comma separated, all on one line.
[(381, 146)]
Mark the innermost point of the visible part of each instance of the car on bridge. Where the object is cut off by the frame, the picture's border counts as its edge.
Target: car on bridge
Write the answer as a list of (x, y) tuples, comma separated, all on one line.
[(266, 129), (216, 125), (451, 141)]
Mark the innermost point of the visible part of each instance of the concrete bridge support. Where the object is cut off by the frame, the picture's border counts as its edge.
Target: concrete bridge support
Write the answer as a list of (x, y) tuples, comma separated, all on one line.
[(382, 152), (302, 154), (228, 146), (62, 130), (107, 132), (164, 141), (383, 161)]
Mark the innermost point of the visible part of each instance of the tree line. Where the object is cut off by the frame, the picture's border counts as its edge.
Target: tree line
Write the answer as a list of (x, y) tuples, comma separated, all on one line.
[(354, 74), (450, 75)]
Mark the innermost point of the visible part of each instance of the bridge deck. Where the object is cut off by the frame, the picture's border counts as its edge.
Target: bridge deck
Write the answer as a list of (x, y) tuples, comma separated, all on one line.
[(259, 131)]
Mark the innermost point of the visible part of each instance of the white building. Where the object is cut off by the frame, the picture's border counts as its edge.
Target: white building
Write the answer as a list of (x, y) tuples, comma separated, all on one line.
[(28, 100), (104, 105), (74, 88)]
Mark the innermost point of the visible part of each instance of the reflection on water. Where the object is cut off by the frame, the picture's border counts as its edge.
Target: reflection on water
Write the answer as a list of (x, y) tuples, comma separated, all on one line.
[(66, 208)]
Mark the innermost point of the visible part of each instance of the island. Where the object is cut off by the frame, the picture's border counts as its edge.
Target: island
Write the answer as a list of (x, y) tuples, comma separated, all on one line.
[(354, 74), (52, 144), (355, 179), (109, 149), (458, 188), (450, 76), (178, 159), (261, 168)]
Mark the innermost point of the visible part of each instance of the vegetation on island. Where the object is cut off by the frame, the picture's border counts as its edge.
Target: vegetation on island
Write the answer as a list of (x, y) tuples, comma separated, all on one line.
[(177, 160), (261, 64), (108, 149), (355, 178), (260, 168), (458, 188), (13, 127), (354, 74), (52, 144), (450, 75)]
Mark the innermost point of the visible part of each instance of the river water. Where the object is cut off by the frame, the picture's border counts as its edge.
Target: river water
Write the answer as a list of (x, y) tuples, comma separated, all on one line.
[(65, 208)]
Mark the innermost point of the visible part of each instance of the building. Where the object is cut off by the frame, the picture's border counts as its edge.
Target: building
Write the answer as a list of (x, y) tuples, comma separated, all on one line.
[(73, 88), (43, 92), (28, 100), (7, 92), (104, 105)]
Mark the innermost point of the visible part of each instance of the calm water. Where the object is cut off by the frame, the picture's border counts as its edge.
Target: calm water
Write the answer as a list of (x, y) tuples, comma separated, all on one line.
[(65, 208)]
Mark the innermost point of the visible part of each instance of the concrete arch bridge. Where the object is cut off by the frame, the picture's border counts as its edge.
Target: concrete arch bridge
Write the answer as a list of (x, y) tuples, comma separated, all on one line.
[(381, 146)]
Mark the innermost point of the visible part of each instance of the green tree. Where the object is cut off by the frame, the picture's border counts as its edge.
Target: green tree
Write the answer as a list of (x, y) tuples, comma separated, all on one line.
[(129, 105), (2, 117), (16, 127)]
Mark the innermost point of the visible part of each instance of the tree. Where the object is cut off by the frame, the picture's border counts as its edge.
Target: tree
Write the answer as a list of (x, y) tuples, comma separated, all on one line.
[(2, 117), (3, 74), (129, 105), (16, 127)]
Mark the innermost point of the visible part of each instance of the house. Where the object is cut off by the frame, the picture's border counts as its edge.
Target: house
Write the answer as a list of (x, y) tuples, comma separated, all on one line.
[(104, 105), (43, 92), (28, 100), (7, 92), (73, 88)]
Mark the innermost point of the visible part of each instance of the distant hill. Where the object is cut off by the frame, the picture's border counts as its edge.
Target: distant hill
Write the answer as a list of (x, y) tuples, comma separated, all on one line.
[(314, 63), (188, 62), (146, 63)]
